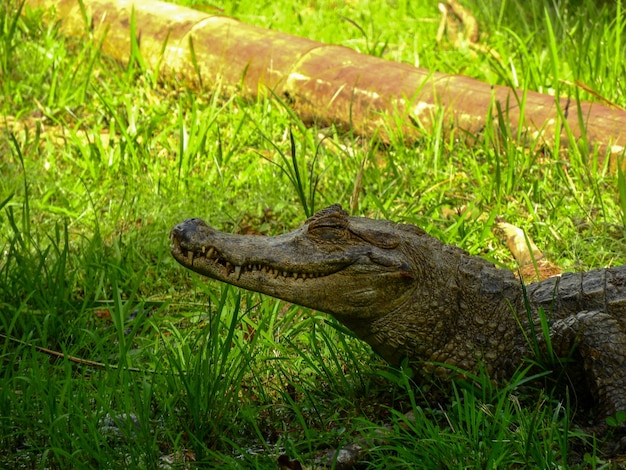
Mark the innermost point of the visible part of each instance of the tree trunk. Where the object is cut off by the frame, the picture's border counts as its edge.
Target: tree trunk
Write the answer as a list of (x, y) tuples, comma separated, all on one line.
[(333, 84)]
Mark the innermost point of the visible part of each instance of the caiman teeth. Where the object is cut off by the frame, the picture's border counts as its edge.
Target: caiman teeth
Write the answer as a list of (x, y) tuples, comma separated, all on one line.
[(210, 253)]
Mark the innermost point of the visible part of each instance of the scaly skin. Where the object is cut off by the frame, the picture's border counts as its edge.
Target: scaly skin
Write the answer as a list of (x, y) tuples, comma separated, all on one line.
[(409, 295)]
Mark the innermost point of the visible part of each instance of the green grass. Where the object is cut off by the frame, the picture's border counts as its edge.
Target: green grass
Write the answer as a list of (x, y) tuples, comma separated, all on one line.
[(100, 160)]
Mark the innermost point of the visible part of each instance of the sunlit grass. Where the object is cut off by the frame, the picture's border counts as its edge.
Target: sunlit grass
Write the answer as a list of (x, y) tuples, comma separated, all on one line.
[(100, 160)]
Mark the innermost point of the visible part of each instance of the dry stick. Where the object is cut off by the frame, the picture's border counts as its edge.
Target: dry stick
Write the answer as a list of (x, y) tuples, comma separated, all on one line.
[(86, 362), (77, 360), (466, 17)]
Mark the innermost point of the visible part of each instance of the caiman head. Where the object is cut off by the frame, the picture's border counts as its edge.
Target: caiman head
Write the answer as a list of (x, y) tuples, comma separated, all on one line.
[(359, 270)]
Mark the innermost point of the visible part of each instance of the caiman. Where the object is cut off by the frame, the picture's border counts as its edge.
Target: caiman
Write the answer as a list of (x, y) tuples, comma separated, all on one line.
[(411, 296)]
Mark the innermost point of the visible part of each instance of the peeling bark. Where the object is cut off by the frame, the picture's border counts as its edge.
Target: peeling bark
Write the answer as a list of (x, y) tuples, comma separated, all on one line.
[(328, 83)]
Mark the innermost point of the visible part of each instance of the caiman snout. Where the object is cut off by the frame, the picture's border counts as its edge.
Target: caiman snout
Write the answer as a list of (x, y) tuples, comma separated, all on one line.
[(187, 241), (187, 229)]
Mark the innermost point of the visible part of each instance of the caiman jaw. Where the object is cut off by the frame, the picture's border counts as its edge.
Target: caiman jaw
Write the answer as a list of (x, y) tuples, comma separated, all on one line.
[(212, 255)]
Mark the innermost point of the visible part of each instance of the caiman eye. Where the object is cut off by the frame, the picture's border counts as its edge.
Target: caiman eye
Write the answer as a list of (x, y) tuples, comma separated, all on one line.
[(328, 228), (329, 221), (328, 232), (329, 224)]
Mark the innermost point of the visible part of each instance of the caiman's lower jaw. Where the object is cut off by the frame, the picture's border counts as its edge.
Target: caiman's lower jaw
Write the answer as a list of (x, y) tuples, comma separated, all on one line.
[(210, 262)]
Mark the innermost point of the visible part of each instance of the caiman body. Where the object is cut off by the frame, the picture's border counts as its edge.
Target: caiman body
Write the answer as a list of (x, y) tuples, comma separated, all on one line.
[(409, 295)]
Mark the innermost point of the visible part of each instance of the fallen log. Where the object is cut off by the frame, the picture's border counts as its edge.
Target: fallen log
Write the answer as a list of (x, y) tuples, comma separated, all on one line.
[(334, 84)]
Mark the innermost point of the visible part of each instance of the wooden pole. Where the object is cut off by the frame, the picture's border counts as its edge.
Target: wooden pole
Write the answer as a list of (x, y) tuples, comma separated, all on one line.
[(333, 84)]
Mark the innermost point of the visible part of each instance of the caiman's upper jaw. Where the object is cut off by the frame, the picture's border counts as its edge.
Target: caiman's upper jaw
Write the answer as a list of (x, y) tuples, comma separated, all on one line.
[(197, 259), (192, 247)]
